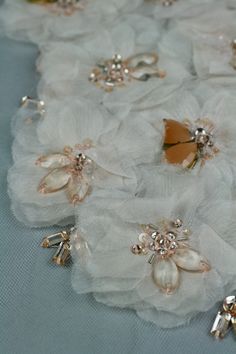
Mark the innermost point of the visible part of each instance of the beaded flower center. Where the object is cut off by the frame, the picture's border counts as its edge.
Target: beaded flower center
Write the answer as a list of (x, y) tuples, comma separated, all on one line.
[(67, 171), (112, 72), (163, 240), (115, 72), (170, 254)]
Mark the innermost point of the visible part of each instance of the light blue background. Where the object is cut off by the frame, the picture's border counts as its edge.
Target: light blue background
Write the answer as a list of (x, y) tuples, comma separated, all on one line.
[(40, 313)]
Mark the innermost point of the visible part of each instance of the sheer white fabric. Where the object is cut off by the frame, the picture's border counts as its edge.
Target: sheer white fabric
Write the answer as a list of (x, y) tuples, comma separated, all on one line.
[(39, 24), (132, 35), (119, 278), (122, 132)]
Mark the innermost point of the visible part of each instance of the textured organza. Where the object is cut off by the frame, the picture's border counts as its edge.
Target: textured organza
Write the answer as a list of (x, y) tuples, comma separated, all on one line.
[(133, 35), (117, 149), (218, 109), (212, 51), (122, 133), (119, 278), (180, 9), (39, 24)]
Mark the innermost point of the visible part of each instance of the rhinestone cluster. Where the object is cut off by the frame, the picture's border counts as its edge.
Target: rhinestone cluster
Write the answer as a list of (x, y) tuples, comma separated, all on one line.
[(204, 139), (112, 72), (116, 72), (162, 239), (225, 319)]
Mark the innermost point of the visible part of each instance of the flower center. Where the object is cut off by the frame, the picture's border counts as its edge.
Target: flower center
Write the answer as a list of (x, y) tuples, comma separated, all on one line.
[(162, 239), (112, 72), (163, 244), (203, 138), (80, 161)]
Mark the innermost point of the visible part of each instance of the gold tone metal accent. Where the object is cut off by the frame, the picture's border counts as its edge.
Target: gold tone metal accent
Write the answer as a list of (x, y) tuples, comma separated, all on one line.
[(61, 241), (62, 254), (225, 319)]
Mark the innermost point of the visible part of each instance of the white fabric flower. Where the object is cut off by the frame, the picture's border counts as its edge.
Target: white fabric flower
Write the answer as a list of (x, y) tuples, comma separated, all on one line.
[(117, 277), (213, 55), (47, 148), (176, 9), (216, 164), (88, 130), (39, 23), (76, 61)]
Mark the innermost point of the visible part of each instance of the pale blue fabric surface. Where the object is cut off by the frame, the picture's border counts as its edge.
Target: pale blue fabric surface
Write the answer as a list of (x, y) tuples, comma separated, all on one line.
[(40, 313)]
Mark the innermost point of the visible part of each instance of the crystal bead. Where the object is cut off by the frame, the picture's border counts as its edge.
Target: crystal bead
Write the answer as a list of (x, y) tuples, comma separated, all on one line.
[(178, 223), (151, 259), (233, 321), (221, 324), (143, 59), (136, 249), (155, 235), (152, 246), (62, 254), (186, 232), (143, 237), (171, 235), (55, 239), (173, 245), (229, 305), (33, 104), (162, 251)]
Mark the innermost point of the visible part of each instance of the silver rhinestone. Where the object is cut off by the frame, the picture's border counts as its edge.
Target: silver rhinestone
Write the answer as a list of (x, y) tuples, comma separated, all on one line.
[(152, 246), (201, 136), (161, 241), (186, 232), (178, 223), (162, 251), (154, 235), (171, 235), (117, 58), (173, 245), (230, 304)]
